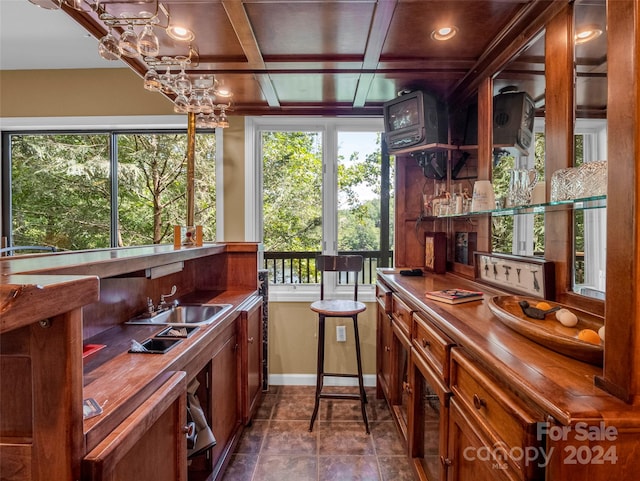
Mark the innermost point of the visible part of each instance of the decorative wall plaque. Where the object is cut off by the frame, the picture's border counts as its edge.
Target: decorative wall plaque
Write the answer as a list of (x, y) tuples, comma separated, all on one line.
[(524, 275)]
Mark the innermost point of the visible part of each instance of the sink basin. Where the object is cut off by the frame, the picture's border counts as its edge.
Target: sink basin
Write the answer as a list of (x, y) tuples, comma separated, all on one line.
[(192, 315)]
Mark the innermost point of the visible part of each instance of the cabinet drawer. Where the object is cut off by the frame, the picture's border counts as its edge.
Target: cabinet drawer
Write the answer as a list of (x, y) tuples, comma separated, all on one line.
[(432, 345), (505, 420), (401, 313), (383, 296)]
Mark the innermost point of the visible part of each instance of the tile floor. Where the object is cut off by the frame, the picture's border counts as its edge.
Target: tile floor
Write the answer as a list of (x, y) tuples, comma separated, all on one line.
[(278, 445)]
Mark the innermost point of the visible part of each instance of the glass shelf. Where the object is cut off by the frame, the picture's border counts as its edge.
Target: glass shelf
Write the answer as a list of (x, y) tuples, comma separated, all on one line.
[(596, 202)]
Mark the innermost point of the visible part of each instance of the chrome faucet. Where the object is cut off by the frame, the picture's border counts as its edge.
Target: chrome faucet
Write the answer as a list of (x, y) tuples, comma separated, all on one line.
[(163, 300)]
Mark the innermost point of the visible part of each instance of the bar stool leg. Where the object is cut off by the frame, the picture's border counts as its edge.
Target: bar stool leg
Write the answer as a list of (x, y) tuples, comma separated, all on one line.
[(363, 394), (319, 370)]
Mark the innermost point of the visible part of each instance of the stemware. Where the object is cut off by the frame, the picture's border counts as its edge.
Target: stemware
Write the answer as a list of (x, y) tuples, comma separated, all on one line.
[(206, 103), (167, 81), (129, 42), (181, 104), (223, 122), (182, 82), (152, 80), (148, 43), (108, 48), (194, 103)]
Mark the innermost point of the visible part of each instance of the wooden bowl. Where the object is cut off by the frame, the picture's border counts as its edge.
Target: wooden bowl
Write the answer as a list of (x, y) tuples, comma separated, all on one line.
[(549, 332)]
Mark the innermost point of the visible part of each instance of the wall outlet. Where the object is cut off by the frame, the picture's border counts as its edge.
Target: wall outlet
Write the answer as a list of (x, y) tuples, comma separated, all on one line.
[(341, 333)]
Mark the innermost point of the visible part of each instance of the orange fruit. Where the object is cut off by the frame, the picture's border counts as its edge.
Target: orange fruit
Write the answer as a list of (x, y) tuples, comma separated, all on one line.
[(589, 335), (543, 306)]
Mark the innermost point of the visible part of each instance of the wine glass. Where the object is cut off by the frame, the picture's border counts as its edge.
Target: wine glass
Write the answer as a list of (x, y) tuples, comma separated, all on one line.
[(108, 48), (181, 104), (206, 103), (167, 81), (129, 42), (152, 80), (148, 43), (194, 103), (182, 82), (223, 122)]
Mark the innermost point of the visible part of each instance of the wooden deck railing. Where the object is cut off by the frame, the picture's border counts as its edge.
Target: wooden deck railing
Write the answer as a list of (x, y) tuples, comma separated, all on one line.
[(300, 267)]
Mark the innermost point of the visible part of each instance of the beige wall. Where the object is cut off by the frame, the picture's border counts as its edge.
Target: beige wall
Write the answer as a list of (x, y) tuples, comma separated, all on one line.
[(119, 92), (293, 331)]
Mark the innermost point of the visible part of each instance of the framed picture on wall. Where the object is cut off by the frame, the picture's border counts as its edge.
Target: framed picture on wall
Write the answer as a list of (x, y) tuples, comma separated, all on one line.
[(435, 252)]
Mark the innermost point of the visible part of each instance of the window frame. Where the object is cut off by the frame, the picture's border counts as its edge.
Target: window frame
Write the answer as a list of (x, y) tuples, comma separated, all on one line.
[(111, 126), (329, 127)]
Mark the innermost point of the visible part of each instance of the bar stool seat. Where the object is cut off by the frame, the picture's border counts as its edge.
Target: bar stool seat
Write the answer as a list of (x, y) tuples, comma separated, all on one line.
[(338, 308)]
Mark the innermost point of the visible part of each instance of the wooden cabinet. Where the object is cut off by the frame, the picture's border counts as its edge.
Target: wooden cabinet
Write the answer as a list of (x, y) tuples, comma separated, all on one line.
[(384, 353), (225, 399), (150, 445), (251, 342), (505, 423), (469, 457)]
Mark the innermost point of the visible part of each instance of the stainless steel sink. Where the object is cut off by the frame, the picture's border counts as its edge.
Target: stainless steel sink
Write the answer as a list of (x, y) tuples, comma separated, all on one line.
[(192, 315)]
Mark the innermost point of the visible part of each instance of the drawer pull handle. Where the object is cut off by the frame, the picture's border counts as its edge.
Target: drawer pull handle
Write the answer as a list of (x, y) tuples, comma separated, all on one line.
[(407, 387), (478, 402), (425, 343), (250, 340), (445, 461), (387, 348)]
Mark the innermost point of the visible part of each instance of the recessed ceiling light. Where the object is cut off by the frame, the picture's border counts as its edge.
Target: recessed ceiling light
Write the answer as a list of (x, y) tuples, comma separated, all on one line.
[(444, 33), (586, 34), (179, 33)]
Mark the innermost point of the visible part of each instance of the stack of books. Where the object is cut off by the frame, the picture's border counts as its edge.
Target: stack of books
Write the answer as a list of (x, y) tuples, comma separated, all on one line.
[(454, 296)]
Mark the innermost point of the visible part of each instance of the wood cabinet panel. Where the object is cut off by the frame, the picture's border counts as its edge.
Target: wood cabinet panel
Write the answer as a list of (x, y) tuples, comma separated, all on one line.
[(468, 456), (150, 444), (506, 422), (225, 399), (251, 342), (432, 345), (402, 314)]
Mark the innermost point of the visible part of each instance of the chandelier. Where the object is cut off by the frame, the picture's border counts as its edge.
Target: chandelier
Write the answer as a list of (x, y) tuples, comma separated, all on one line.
[(135, 37)]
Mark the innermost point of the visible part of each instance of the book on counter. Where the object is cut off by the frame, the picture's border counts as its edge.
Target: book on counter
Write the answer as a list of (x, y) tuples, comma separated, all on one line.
[(454, 296)]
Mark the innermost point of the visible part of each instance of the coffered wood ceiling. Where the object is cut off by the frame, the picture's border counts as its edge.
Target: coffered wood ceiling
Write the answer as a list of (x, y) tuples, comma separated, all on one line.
[(343, 57)]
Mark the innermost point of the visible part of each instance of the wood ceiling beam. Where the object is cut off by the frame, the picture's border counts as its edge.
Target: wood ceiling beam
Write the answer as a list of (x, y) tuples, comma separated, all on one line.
[(379, 28), (242, 27)]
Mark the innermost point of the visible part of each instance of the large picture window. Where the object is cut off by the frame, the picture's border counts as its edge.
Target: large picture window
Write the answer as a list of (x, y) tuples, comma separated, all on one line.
[(59, 189), (318, 189)]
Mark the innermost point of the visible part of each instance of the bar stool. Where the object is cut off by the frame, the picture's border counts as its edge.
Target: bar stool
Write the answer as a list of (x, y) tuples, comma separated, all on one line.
[(344, 309)]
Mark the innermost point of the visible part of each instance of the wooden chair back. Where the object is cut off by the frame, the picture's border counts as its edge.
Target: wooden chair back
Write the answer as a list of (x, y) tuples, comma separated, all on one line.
[(339, 263)]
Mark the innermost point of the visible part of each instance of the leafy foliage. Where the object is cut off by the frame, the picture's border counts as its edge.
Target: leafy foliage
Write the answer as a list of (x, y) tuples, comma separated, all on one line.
[(61, 188)]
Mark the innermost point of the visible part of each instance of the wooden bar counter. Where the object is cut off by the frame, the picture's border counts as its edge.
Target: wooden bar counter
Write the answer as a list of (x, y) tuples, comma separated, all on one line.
[(53, 305), (501, 391)]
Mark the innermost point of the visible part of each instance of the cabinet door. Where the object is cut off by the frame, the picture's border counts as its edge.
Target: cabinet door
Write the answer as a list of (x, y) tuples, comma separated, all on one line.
[(468, 456), (384, 353), (225, 397), (251, 359), (150, 445)]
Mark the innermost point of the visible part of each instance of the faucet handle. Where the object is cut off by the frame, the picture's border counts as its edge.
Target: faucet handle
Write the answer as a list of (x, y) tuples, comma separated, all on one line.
[(150, 306), (163, 297)]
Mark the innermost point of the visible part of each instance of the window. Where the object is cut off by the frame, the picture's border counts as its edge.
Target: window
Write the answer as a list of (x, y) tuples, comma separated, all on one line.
[(318, 189), (58, 188)]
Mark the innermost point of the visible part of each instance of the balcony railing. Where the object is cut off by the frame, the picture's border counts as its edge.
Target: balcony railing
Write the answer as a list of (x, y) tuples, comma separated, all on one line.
[(300, 267)]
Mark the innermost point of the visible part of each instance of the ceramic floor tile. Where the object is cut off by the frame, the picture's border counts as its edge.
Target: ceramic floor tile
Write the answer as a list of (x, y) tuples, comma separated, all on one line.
[(240, 468), (281, 468), (265, 409), (386, 439), (344, 438), (252, 437), (289, 437), (295, 407), (348, 468), (395, 468), (278, 444)]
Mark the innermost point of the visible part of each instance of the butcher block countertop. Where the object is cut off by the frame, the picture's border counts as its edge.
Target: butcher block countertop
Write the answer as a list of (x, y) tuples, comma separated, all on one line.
[(548, 381)]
